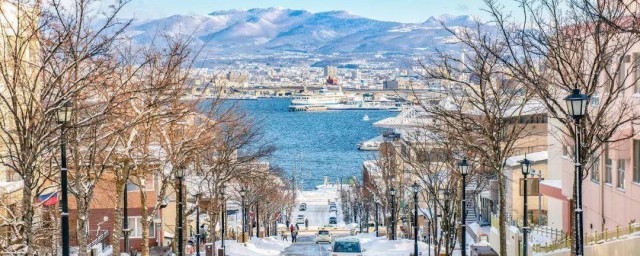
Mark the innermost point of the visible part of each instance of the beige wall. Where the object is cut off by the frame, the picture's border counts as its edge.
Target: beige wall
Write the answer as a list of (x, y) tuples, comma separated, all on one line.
[(623, 247), (515, 200)]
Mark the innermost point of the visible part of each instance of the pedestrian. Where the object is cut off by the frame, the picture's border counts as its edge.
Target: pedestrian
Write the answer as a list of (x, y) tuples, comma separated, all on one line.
[(295, 236), (306, 223), (288, 222), (292, 229)]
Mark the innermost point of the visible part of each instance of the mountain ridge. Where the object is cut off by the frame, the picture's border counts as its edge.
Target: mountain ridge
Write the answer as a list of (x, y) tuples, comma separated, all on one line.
[(259, 30)]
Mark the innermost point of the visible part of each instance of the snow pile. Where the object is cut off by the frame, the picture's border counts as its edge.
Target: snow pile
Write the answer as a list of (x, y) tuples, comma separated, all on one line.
[(255, 247), (380, 246)]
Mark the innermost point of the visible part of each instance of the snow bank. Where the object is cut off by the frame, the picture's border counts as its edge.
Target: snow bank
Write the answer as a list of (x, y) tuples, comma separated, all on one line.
[(380, 246), (255, 247)]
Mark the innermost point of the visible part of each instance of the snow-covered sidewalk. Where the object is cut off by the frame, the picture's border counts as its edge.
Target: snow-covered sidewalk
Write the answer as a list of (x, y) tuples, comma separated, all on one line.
[(255, 247)]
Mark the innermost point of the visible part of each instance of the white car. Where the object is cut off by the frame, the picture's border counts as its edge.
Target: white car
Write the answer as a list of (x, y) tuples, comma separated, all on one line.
[(300, 219), (323, 236), (349, 246)]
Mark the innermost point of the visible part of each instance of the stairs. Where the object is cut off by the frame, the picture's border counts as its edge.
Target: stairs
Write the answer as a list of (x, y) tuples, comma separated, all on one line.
[(471, 213)]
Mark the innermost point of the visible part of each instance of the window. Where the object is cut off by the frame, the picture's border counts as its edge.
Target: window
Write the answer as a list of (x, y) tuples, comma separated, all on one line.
[(636, 72), (608, 165), (135, 224), (595, 170), (620, 183), (636, 161)]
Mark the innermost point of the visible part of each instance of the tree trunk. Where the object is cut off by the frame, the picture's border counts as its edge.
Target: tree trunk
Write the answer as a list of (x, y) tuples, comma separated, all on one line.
[(144, 221), (502, 216), (82, 226), (121, 184), (28, 238)]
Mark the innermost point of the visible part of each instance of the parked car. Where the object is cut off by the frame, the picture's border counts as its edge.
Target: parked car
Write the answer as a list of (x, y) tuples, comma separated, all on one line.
[(333, 220), (382, 230), (303, 207), (333, 208), (300, 219), (323, 236), (349, 246)]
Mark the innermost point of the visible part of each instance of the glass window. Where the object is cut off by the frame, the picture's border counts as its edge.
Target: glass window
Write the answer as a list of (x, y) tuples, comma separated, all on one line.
[(636, 72), (621, 167), (135, 224), (595, 170), (636, 161), (608, 165)]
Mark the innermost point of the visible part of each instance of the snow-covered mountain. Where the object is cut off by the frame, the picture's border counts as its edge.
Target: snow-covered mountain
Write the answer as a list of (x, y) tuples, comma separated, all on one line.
[(279, 29)]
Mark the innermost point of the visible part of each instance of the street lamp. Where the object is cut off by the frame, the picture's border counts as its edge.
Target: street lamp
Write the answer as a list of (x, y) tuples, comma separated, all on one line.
[(377, 223), (392, 192), (179, 176), (464, 170), (416, 189), (243, 194), (526, 169), (64, 115), (224, 216), (198, 224), (577, 108)]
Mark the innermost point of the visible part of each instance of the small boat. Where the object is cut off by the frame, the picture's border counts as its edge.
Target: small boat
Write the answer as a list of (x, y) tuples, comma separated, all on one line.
[(369, 145), (365, 118)]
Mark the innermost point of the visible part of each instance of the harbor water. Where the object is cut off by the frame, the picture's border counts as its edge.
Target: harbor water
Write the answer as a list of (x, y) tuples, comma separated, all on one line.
[(316, 144)]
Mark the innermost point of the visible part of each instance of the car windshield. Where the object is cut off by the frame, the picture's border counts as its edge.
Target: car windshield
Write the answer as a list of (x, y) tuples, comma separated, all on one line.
[(323, 232), (346, 247)]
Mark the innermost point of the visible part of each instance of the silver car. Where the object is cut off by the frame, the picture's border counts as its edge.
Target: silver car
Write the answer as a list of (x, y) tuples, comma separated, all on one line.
[(349, 246), (323, 236)]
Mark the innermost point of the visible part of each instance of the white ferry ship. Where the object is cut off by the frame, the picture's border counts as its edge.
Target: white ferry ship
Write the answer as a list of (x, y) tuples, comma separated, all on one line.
[(323, 98)]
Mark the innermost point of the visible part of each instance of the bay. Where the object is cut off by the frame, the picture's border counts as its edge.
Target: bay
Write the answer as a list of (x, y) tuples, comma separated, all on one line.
[(316, 144)]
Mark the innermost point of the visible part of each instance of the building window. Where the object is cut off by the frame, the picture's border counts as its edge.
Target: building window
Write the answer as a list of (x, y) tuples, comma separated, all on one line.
[(636, 161), (608, 166), (636, 72), (620, 183), (595, 170), (135, 224)]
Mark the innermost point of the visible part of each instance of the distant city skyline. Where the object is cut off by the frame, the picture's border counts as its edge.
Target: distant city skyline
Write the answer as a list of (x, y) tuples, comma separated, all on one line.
[(413, 11)]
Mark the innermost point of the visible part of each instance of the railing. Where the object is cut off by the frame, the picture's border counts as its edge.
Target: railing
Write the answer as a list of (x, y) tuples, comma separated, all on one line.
[(596, 238), (104, 235)]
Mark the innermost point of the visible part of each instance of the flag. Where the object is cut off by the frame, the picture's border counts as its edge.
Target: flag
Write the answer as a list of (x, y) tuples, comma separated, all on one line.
[(49, 199)]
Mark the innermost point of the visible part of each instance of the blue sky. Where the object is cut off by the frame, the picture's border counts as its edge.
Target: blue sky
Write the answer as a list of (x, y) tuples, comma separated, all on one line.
[(388, 10)]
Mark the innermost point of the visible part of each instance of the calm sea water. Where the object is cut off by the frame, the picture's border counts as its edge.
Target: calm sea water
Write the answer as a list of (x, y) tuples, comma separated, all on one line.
[(318, 143)]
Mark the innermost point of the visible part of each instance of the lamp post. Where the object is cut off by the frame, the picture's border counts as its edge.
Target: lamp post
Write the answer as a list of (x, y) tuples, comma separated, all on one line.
[(392, 192), (125, 218), (577, 108), (64, 115), (179, 176), (416, 189), (526, 167), (223, 216), (243, 194), (377, 233), (360, 210), (198, 225), (464, 170)]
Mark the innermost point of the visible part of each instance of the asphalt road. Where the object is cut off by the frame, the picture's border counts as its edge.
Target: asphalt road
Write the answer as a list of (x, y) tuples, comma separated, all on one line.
[(307, 246)]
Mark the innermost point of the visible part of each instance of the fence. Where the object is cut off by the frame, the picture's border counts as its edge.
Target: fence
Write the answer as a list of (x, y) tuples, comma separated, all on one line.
[(596, 238)]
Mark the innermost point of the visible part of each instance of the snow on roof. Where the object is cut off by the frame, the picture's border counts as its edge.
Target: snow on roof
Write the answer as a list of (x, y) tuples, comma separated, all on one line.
[(10, 186), (552, 183), (533, 157)]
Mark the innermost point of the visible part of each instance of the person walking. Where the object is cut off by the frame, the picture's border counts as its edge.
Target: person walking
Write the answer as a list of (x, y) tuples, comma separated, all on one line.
[(306, 223), (293, 236)]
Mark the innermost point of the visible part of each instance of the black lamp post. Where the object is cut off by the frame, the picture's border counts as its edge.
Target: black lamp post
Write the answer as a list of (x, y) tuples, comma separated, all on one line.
[(392, 192), (223, 216), (377, 223), (179, 176), (198, 225), (64, 115), (464, 170), (243, 194), (360, 211), (577, 108), (416, 189), (526, 167), (125, 218)]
